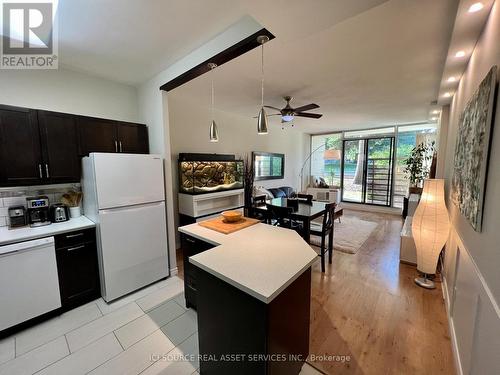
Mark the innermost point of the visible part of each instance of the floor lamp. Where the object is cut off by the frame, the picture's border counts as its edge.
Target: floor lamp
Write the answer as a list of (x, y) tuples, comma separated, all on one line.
[(327, 155), (430, 228)]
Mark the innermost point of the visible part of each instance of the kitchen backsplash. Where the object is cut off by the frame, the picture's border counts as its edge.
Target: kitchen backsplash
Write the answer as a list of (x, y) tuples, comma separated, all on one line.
[(17, 196)]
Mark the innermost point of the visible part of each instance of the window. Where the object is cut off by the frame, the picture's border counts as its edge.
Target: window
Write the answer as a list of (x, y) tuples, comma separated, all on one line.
[(268, 166), (326, 157), (327, 152), (408, 137)]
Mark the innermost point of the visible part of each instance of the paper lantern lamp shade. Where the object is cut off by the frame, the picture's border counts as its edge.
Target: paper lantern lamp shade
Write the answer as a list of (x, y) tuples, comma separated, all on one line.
[(430, 226)]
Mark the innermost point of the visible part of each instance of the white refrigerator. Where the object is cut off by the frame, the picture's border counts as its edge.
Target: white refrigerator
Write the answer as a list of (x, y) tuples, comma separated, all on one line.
[(124, 195)]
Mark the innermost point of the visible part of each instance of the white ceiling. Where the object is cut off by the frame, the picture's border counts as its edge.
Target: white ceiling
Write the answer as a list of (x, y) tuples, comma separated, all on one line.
[(132, 40), (466, 31), (382, 66), (365, 62)]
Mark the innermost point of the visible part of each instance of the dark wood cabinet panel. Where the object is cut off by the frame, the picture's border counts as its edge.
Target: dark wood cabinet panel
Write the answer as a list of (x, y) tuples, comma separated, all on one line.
[(77, 268), (96, 135), (191, 246), (43, 147), (132, 138), (20, 150), (59, 137)]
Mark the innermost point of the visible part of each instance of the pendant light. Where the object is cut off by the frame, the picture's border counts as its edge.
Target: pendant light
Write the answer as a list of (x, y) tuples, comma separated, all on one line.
[(262, 117), (214, 133)]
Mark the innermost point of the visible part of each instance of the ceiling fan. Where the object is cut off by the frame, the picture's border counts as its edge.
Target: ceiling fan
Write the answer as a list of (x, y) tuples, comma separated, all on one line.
[(288, 113)]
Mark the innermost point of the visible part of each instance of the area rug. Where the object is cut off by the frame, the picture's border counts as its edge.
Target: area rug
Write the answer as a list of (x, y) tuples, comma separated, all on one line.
[(349, 235)]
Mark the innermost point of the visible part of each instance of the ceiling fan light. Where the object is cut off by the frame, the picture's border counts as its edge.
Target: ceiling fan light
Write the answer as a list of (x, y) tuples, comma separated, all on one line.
[(214, 133), (287, 118), (262, 122)]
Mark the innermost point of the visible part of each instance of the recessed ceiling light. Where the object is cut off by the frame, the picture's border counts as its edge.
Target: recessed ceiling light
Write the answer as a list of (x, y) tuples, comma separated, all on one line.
[(452, 79), (460, 54), (476, 7), (434, 118), (447, 94), (435, 112)]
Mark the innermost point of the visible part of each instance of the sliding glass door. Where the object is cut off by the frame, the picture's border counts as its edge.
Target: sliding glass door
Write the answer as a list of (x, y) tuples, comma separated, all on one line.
[(367, 170), (353, 170)]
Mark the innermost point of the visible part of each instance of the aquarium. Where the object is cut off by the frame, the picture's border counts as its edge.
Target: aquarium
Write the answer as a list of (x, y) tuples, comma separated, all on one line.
[(209, 176)]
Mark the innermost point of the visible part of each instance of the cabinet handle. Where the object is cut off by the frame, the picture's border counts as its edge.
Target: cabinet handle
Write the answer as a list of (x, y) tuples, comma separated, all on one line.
[(121, 149), (47, 170), (40, 170), (190, 240), (116, 146), (74, 235), (75, 248)]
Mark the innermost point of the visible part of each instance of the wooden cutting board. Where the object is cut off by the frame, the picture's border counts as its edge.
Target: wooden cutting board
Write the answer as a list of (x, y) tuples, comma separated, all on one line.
[(219, 224)]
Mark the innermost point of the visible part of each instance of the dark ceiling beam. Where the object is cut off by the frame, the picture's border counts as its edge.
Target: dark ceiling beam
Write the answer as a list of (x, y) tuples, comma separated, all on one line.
[(228, 54)]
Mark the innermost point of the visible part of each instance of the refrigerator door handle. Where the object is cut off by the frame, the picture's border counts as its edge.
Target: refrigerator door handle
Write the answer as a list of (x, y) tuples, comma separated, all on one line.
[(126, 208)]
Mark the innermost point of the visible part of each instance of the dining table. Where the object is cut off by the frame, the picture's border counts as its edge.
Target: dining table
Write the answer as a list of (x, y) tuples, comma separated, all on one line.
[(302, 211)]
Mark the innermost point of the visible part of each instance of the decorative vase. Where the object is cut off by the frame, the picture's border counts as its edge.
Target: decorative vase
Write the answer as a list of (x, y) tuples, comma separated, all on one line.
[(75, 212)]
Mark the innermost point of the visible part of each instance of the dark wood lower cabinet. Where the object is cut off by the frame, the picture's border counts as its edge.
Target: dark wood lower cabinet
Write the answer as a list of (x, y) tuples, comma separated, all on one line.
[(191, 246), (76, 256), (239, 334)]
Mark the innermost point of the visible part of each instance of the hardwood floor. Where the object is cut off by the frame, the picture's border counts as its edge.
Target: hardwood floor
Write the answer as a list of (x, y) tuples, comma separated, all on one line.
[(366, 308)]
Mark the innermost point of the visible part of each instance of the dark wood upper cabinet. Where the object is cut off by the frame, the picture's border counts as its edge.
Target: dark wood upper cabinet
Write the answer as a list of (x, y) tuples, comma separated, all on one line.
[(59, 137), (96, 135), (132, 138), (20, 150), (43, 147)]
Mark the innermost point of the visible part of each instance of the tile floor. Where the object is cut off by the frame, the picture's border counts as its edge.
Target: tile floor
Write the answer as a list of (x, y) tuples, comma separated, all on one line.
[(147, 332)]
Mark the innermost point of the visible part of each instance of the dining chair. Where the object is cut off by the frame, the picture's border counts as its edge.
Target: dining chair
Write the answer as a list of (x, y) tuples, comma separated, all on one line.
[(279, 216), (324, 230), (307, 197), (258, 201)]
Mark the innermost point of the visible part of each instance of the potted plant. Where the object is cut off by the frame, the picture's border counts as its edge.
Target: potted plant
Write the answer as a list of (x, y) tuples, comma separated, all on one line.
[(249, 180), (418, 165)]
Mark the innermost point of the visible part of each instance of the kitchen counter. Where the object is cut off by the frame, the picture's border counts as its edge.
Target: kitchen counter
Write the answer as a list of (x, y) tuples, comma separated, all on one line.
[(9, 236), (261, 260)]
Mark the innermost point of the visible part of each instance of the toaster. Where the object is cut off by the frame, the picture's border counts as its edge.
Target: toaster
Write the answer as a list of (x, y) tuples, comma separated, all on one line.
[(59, 213)]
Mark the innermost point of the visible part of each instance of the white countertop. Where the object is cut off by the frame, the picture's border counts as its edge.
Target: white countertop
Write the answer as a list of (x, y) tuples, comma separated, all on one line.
[(8, 236), (261, 260)]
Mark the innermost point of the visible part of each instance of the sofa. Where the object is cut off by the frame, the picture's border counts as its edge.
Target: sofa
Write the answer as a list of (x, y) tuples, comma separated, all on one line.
[(279, 192)]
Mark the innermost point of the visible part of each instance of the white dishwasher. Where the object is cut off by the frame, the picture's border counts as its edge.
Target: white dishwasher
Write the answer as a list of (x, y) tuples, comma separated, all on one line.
[(29, 284)]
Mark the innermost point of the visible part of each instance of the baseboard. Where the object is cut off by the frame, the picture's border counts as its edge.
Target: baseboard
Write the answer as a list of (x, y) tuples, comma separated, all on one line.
[(174, 271), (371, 208)]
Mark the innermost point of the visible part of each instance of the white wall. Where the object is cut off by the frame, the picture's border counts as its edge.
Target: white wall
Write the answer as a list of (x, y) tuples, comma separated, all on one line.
[(484, 246), (471, 274), (189, 125), (153, 107), (68, 91)]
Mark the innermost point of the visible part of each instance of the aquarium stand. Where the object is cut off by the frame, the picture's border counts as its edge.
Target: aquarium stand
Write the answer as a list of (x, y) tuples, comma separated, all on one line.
[(203, 206)]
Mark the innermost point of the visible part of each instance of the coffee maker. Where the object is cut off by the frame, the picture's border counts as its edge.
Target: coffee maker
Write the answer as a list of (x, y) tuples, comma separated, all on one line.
[(38, 210)]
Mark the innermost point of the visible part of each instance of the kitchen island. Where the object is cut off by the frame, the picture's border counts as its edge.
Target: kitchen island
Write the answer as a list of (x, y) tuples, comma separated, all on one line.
[(252, 291)]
